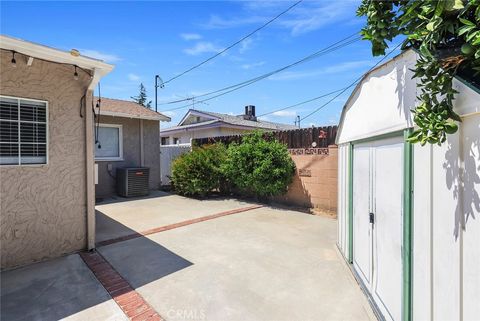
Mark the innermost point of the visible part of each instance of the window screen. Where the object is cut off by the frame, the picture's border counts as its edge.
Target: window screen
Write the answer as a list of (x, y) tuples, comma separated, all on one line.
[(23, 131), (109, 142)]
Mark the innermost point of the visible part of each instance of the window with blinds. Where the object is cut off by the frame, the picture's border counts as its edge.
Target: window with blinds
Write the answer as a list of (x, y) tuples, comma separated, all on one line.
[(23, 131)]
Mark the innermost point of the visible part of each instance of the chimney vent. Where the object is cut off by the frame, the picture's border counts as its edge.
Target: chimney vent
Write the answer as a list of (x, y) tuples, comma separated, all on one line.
[(250, 113)]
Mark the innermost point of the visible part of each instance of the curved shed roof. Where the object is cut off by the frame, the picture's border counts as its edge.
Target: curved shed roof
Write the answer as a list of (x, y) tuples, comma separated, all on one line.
[(381, 102)]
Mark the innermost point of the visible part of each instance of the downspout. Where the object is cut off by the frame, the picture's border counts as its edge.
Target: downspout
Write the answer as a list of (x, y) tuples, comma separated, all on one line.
[(160, 155), (350, 203), (90, 161), (142, 148)]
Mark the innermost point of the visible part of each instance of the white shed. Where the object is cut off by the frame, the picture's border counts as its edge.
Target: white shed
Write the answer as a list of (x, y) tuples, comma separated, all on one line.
[(409, 216)]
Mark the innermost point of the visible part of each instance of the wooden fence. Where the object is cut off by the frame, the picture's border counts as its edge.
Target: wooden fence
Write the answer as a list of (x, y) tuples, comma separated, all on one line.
[(317, 137)]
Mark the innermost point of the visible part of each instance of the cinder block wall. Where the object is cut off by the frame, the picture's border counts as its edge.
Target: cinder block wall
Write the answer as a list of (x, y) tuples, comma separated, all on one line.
[(319, 190)]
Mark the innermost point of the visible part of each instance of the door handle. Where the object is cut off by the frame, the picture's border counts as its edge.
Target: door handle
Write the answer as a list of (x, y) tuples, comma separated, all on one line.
[(371, 217)]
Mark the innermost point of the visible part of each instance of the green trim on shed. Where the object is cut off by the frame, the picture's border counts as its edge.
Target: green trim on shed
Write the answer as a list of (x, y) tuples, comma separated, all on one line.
[(407, 227)]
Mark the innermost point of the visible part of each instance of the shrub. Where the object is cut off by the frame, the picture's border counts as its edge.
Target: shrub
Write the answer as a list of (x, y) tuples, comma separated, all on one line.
[(258, 166), (198, 173)]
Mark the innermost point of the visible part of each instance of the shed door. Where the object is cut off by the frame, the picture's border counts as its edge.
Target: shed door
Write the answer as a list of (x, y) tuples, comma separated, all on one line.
[(377, 249), (362, 231)]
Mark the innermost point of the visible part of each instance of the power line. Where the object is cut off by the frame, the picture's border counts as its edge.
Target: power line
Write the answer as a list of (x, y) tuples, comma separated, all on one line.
[(301, 103), (353, 83), (226, 90), (335, 46), (235, 43)]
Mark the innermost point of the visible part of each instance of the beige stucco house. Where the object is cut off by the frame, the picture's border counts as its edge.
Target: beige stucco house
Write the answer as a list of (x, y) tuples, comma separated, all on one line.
[(201, 124), (128, 136), (47, 199)]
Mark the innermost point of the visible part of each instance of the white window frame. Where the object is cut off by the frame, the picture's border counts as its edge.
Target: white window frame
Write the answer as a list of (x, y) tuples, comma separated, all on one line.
[(167, 138), (120, 143), (47, 138)]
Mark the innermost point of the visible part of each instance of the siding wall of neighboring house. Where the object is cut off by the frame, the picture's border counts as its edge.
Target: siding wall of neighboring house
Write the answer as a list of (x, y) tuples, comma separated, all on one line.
[(43, 207), (186, 136), (131, 153)]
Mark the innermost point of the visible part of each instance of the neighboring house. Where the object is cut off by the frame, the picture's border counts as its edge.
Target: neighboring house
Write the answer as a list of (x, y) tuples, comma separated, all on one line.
[(200, 124), (128, 136), (409, 216), (47, 200)]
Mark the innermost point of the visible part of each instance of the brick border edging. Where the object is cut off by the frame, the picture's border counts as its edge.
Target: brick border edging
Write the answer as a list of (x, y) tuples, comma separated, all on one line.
[(175, 225), (129, 300)]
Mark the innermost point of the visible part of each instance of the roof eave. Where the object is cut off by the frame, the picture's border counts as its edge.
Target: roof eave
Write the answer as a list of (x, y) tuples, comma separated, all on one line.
[(55, 55), (160, 117), (196, 113)]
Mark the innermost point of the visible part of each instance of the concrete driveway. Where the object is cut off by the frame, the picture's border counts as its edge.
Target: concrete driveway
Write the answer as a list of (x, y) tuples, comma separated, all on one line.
[(220, 259)]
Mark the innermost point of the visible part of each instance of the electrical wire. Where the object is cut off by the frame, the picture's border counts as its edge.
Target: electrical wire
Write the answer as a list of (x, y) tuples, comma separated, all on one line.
[(352, 84), (335, 46), (301, 103), (235, 43)]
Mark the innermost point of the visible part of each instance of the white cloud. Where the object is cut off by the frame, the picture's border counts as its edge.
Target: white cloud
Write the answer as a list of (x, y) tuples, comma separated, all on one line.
[(306, 17), (314, 15), (100, 55), (285, 113), (349, 65), (334, 69), (133, 77), (217, 22), (202, 47), (245, 45), (253, 65), (191, 36)]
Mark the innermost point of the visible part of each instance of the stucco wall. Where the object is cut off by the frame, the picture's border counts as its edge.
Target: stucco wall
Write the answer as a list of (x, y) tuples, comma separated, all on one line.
[(131, 153), (319, 190), (43, 207)]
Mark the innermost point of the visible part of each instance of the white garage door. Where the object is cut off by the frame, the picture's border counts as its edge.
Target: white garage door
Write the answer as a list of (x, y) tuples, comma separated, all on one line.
[(377, 221)]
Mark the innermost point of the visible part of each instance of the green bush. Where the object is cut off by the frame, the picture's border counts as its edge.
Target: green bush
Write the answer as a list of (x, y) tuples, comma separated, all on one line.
[(258, 167), (198, 173)]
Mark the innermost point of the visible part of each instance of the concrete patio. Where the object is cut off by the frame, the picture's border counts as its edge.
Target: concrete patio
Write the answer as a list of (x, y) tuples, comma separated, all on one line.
[(259, 264)]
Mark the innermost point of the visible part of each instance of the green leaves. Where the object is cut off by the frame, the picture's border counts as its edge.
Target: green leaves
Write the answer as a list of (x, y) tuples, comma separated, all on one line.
[(447, 34), (259, 167), (256, 167), (198, 173)]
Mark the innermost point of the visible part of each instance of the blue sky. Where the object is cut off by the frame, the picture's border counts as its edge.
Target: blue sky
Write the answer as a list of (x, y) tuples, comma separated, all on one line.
[(146, 38)]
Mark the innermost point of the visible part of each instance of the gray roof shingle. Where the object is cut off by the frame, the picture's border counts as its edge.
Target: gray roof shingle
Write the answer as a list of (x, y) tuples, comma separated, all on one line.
[(235, 120)]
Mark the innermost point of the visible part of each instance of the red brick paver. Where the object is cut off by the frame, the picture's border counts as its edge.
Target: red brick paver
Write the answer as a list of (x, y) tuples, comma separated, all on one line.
[(176, 225), (131, 303)]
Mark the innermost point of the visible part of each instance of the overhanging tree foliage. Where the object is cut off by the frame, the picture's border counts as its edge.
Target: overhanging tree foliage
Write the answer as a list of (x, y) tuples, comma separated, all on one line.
[(447, 36)]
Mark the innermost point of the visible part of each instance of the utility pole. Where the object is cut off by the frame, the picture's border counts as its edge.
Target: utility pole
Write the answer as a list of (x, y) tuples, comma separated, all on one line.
[(298, 121), (161, 85)]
